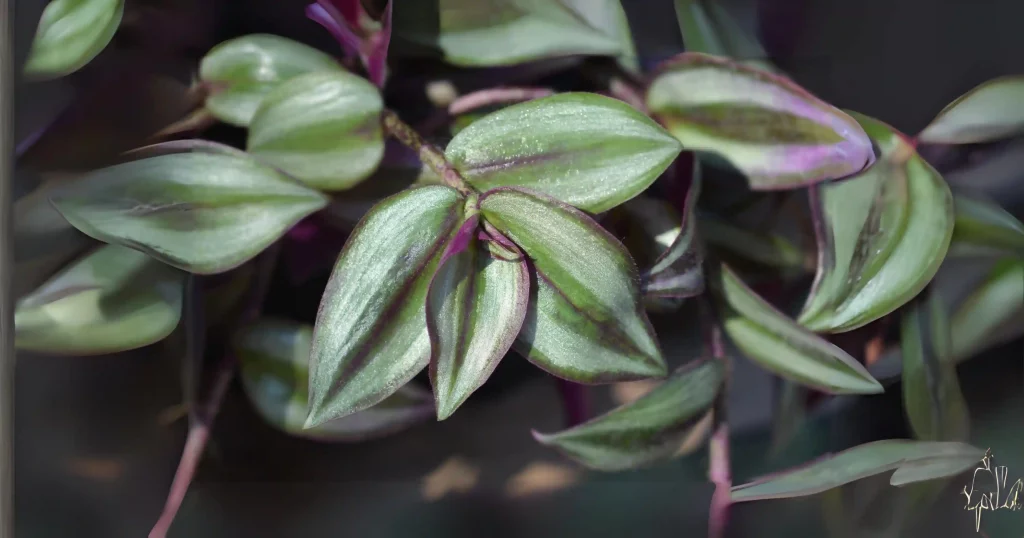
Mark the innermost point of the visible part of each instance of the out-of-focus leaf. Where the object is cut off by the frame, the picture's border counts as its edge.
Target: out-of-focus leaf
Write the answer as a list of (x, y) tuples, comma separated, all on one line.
[(773, 131), (914, 461), (587, 150), (475, 308), (274, 357), (882, 236), (204, 211), (767, 248), (789, 416), (709, 28), (243, 70), (370, 336), (934, 404), (778, 344), (70, 34), (677, 272), (323, 128), (996, 303), (43, 241), (990, 111), (504, 32), (114, 299), (984, 228), (586, 321), (608, 17), (648, 430)]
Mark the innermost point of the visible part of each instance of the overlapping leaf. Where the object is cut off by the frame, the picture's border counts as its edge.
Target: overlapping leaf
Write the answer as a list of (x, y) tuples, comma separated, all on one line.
[(773, 131), (990, 111), (677, 273), (43, 241), (992, 312), (243, 70), (608, 17), (984, 228), (323, 128), (881, 234), (648, 430), (274, 358), (113, 299), (759, 246), (778, 344), (370, 336), (585, 321), (70, 34), (914, 461), (204, 211), (587, 150), (709, 28), (475, 308)]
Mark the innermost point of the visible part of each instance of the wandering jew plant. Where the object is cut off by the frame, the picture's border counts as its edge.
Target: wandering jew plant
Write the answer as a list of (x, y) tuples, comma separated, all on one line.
[(545, 223)]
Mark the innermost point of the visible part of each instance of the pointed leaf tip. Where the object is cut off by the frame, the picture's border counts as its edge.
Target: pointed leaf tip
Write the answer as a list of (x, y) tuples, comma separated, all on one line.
[(990, 111)]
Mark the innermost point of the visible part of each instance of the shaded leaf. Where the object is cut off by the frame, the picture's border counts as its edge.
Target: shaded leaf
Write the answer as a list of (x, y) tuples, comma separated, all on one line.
[(790, 415), (243, 70), (323, 128), (988, 112), (773, 131), (984, 228), (113, 299), (677, 272), (709, 28), (585, 322), (761, 246), (587, 150), (995, 305), (778, 344), (370, 336), (882, 236), (43, 241), (648, 430), (70, 34), (274, 356), (475, 308), (204, 211), (914, 461), (608, 17)]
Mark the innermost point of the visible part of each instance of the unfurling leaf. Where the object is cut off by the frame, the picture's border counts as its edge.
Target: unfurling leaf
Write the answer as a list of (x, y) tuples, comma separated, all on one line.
[(773, 131), (243, 70), (708, 27), (677, 272), (778, 344), (475, 308), (70, 34), (274, 358), (370, 336), (914, 461), (881, 234), (113, 299), (984, 228), (989, 112), (206, 211), (648, 430), (586, 321), (323, 128), (934, 404), (589, 151), (991, 313)]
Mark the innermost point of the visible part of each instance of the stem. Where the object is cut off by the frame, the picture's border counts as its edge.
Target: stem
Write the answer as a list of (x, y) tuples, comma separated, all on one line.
[(429, 154), (495, 96), (575, 402), (719, 469)]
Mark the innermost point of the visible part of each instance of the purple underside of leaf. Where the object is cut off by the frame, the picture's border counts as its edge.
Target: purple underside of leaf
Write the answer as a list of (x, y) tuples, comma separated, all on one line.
[(684, 277), (325, 14), (376, 62)]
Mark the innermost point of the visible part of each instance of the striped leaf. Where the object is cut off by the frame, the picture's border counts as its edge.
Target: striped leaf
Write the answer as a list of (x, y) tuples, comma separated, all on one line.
[(586, 321), (475, 308), (648, 430), (989, 112), (370, 336), (323, 128), (984, 228), (881, 236), (773, 131), (677, 273), (70, 34)]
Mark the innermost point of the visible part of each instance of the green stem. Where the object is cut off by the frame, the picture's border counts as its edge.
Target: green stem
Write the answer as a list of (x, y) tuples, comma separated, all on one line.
[(428, 153)]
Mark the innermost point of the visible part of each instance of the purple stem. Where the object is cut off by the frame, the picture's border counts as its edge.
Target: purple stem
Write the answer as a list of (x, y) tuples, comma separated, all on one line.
[(575, 402), (377, 61), (720, 474), (325, 14)]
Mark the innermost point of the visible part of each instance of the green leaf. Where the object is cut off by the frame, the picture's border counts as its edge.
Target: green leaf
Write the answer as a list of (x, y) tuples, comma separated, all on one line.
[(772, 130), (274, 358), (475, 308), (984, 228), (43, 241), (882, 236), (586, 321), (608, 17), (475, 33), (205, 211), (778, 344), (677, 272), (709, 28), (914, 461), (934, 404), (762, 246), (648, 430), (323, 128), (371, 333), (113, 299), (243, 70), (586, 150), (996, 304), (70, 34), (989, 112)]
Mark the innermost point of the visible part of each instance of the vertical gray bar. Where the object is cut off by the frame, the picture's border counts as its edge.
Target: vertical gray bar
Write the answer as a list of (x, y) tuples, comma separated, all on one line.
[(6, 268)]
